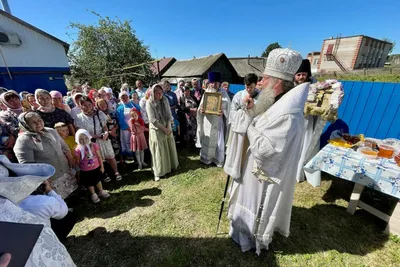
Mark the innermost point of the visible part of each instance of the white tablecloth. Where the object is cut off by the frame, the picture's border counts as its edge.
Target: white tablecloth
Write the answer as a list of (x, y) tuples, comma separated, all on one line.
[(379, 174)]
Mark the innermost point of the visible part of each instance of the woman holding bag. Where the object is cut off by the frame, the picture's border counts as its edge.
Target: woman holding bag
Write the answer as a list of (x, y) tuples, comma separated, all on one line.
[(95, 122)]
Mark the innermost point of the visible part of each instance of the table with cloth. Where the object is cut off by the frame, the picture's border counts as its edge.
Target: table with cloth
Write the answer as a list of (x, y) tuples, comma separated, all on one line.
[(380, 174)]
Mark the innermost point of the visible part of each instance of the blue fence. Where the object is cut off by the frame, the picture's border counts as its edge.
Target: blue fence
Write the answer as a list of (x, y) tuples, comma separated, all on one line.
[(371, 108)]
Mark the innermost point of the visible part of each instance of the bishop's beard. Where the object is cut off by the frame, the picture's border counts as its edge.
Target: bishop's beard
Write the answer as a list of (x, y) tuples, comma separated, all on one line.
[(265, 100)]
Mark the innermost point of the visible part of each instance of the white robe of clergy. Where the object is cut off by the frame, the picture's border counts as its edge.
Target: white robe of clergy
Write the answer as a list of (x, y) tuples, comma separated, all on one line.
[(211, 130), (261, 199), (238, 126), (313, 126)]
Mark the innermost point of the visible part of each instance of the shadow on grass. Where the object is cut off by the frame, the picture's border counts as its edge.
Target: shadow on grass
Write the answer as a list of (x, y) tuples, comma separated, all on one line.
[(322, 228), (117, 204), (342, 189)]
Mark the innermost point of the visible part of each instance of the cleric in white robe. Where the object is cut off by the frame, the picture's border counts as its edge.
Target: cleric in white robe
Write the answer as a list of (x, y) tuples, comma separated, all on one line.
[(271, 137), (211, 129)]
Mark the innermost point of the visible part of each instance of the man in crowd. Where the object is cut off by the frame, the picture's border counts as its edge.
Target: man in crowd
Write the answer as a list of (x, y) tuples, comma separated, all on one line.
[(261, 198), (225, 85), (211, 129), (140, 90), (197, 91), (303, 74)]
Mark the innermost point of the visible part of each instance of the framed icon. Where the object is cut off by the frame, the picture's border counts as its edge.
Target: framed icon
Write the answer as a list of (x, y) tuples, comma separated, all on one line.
[(212, 103)]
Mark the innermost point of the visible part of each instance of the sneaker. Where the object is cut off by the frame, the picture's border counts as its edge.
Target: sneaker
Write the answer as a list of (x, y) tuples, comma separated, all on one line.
[(118, 176), (95, 198), (104, 194), (156, 178), (144, 164), (107, 179)]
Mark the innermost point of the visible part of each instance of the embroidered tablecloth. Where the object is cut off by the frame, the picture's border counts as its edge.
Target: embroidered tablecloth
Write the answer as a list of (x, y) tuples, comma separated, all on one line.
[(379, 174)]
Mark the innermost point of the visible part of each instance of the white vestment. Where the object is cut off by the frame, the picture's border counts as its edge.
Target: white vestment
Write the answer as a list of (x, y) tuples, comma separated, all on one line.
[(211, 130), (261, 198), (313, 125), (239, 120)]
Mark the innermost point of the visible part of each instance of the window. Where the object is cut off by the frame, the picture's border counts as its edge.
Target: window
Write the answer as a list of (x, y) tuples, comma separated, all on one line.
[(315, 61)]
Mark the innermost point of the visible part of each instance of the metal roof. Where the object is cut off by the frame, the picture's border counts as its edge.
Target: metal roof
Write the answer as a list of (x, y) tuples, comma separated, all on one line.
[(163, 63), (246, 65), (192, 68), (26, 24)]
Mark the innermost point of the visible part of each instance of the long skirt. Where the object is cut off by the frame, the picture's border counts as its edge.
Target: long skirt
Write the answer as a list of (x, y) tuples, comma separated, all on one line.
[(163, 152)]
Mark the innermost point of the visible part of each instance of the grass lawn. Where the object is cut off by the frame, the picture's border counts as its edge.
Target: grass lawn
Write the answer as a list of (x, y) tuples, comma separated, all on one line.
[(173, 223)]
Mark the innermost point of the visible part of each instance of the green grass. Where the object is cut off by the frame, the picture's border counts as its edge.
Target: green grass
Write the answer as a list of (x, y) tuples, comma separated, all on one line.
[(173, 223)]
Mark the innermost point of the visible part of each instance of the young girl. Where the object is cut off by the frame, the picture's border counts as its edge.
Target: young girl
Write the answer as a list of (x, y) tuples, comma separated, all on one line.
[(89, 159), (138, 141)]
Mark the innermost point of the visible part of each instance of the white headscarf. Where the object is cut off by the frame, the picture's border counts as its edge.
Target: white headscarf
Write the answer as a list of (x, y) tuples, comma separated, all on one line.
[(82, 147)]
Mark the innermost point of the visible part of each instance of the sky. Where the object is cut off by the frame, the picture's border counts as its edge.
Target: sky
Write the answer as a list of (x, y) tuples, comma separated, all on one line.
[(238, 28)]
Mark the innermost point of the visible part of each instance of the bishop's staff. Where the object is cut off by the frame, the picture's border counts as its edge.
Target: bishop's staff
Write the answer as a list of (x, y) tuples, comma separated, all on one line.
[(223, 202)]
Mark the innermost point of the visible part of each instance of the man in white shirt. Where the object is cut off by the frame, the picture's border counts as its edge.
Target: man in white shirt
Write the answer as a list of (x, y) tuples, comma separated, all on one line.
[(140, 90)]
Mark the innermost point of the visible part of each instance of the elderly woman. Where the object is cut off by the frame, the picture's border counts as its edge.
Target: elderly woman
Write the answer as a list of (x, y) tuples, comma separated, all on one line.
[(95, 122), (9, 122), (57, 100), (40, 144), (50, 114), (188, 105), (162, 144), (124, 115)]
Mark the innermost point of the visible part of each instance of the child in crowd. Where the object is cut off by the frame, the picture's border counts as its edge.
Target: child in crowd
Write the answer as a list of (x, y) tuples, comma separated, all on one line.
[(138, 140), (88, 157), (63, 131), (176, 129)]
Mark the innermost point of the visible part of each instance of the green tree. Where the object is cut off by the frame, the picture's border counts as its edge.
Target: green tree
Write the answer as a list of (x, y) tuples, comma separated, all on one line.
[(390, 41), (100, 52), (270, 48)]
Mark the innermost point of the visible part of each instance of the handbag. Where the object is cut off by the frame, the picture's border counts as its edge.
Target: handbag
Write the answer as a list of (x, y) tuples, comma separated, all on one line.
[(94, 127)]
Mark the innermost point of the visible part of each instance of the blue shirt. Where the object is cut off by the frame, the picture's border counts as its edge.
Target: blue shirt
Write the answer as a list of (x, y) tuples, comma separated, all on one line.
[(173, 101)]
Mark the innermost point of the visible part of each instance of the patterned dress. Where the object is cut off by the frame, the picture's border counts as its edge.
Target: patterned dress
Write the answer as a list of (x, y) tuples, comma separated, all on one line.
[(188, 103), (58, 115), (93, 124)]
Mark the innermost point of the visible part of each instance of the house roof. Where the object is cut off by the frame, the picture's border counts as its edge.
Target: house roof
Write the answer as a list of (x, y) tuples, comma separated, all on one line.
[(162, 64), (246, 65), (26, 24), (193, 67), (352, 36)]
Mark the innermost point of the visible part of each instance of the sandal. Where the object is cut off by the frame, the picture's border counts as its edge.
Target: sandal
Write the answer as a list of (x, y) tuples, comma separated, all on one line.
[(118, 176)]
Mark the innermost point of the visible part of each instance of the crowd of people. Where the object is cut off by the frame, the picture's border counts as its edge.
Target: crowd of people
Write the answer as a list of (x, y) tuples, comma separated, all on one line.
[(255, 136)]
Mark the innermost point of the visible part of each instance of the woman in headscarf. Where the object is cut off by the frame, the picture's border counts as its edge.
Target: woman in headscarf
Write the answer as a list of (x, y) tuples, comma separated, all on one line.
[(188, 104), (161, 140), (32, 101), (47, 250), (171, 96), (124, 115), (95, 122), (24, 101), (77, 109), (93, 95), (112, 125), (9, 122), (41, 144), (125, 88), (50, 114), (135, 99), (57, 100)]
